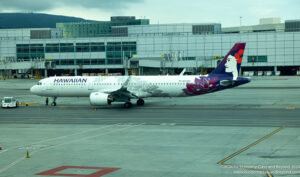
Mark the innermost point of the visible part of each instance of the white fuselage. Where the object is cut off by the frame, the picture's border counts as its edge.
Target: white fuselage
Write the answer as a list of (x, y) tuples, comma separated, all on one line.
[(141, 86)]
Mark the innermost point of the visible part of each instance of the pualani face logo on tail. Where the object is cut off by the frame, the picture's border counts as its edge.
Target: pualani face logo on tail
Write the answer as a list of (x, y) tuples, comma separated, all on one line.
[(224, 76), (233, 63)]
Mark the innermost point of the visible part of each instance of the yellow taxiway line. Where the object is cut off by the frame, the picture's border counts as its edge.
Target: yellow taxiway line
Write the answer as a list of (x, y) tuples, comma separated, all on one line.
[(222, 162), (26, 104)]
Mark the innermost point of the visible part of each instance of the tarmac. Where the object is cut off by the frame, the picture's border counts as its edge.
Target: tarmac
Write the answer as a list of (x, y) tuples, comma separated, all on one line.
[(252, 130)]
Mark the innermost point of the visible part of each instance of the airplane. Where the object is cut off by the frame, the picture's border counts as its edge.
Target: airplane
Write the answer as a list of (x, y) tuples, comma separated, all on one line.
[(104, 90)]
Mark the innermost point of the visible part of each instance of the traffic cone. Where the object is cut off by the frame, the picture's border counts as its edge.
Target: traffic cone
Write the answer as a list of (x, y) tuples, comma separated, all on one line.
[(27, 155)]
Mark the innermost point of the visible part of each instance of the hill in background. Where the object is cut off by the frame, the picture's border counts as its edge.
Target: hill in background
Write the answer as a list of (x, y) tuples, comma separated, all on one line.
[(34, 20)]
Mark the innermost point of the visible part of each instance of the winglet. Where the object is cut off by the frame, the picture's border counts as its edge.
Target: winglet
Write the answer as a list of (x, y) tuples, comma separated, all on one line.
[(125, 85), (182, 72)]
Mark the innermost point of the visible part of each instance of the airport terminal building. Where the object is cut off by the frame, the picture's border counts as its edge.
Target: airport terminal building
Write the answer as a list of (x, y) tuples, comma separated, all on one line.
[(145, 49)]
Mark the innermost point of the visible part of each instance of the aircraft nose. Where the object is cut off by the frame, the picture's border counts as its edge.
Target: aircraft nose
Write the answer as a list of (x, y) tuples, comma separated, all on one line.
[(33, 89)]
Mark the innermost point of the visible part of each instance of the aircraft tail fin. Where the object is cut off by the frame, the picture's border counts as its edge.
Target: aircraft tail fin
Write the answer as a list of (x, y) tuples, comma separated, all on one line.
[(231, 64)]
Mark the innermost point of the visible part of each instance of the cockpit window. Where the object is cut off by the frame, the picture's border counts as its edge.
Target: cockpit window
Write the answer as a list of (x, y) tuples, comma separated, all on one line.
[(39, 83)]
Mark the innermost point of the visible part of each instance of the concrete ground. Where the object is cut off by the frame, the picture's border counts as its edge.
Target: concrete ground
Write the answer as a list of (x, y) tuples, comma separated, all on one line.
[(252, 130)]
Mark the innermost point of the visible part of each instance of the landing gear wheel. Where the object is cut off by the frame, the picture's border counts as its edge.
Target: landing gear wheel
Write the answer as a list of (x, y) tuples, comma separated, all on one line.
[(140, 102), (128, 105)]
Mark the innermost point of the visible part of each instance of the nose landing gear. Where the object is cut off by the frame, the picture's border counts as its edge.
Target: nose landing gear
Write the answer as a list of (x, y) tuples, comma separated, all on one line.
[(53, 102)]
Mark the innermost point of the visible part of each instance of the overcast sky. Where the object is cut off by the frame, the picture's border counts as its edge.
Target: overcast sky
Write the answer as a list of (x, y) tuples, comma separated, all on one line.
[(226, 12)]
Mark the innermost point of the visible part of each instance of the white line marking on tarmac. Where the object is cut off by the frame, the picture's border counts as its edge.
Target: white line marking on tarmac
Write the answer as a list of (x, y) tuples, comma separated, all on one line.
[(69, 142), (60, 137), (85, 138), (4, 151), (12, 164)]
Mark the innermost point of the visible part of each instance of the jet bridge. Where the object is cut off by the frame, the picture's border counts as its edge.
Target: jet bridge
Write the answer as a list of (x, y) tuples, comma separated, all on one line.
[(9, 69)]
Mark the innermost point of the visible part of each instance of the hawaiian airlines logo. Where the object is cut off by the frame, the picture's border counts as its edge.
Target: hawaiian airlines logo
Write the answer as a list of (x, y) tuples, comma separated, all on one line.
[(233, 60), (70, 80)]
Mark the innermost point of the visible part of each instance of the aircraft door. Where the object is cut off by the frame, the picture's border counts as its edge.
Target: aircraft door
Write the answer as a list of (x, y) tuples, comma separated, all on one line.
[(92, 83), (90, 86)]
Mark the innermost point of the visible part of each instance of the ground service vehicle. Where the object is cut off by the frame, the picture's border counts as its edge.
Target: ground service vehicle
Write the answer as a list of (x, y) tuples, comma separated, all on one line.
[(9, 102)]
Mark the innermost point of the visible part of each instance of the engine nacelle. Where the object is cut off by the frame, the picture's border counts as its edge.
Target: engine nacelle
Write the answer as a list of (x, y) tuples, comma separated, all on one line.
[(99, 99)]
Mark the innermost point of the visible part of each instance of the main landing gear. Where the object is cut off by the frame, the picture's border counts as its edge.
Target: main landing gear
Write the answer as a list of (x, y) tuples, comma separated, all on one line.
[(139, 102), (128, 105), (53, 102)]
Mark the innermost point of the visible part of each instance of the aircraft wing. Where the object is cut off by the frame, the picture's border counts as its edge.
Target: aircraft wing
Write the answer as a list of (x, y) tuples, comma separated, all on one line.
[(122, 94)]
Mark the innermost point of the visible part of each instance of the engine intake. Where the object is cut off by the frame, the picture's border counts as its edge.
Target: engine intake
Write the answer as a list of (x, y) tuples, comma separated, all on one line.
[(99, 99)]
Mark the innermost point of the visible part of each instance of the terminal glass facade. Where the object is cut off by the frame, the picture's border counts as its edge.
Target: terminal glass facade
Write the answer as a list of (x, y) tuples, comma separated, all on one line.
[(97, 29), (30, 51), (159, 47), (117, 51)]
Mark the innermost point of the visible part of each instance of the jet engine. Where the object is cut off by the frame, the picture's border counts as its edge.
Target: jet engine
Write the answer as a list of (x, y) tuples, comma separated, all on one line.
[(99, 99)]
